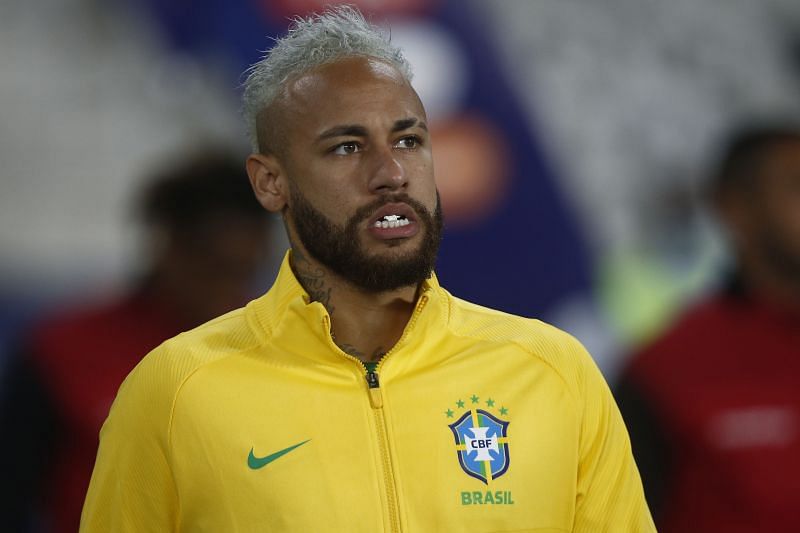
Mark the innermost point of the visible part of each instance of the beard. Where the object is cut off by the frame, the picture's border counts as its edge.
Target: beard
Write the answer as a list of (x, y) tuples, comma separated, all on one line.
[(780, 252), (341, 251)]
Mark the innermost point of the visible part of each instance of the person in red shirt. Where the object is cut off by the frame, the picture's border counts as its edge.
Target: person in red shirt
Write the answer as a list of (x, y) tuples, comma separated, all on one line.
[(208, 239), (713, 405)]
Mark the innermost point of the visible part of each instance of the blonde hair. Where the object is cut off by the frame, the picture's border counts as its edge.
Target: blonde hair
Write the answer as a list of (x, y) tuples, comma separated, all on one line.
[(337, 33)]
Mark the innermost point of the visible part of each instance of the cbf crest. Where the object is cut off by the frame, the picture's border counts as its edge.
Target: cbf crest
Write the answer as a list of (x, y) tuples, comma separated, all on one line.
[(481, 439)]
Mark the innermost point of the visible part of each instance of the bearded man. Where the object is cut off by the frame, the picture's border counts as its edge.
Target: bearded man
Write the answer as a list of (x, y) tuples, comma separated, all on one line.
[(713, 403), (358, 394)]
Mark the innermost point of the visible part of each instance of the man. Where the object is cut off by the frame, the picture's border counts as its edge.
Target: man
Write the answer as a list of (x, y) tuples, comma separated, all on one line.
[(713, 405), (357, 394), (206, 236)]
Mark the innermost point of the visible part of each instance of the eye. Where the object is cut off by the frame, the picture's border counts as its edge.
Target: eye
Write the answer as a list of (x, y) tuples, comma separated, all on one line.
[(346, 148), (408, 143)]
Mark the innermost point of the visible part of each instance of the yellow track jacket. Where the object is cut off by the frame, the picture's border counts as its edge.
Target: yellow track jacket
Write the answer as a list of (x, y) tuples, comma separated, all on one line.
[(475, 421)]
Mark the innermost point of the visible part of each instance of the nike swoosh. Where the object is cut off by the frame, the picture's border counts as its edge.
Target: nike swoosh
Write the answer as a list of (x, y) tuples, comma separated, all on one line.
[(259, 462)]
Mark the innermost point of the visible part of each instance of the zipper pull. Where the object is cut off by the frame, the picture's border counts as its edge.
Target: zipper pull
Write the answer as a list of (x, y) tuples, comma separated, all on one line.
[(375, 398)]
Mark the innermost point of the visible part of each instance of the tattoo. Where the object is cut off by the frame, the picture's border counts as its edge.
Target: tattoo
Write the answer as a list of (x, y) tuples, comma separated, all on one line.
[(313, 280), (349, 349)]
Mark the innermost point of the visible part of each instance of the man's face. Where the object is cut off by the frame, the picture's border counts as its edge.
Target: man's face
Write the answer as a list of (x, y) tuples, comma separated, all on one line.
[(777, 210), (212, 269), (340, 248), (357, 164)]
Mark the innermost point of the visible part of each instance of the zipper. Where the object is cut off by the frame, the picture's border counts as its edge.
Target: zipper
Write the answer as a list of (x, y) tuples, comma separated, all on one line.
[(374, 389), (376, 402)]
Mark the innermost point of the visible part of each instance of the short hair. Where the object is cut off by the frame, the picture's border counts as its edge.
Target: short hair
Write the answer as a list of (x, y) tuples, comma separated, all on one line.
[(743, 153), (185, 195), (339, 32)]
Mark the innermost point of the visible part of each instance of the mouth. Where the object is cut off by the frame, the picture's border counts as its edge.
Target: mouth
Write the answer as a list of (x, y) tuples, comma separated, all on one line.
[(393, 221)]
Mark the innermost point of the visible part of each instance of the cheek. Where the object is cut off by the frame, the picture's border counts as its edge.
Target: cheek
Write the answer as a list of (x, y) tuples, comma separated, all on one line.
[(321, 186), (333, 204), (782, 225), (421, 181), (792, 229), (786, 212)]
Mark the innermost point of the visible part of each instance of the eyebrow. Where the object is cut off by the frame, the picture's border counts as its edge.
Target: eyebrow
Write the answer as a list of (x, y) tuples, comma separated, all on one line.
[(348, 130), (354, 130), (406, 123)]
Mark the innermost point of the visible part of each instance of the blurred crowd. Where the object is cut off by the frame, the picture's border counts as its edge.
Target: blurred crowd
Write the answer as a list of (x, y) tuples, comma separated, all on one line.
[(206, 242), (691, 307), (712, 405)]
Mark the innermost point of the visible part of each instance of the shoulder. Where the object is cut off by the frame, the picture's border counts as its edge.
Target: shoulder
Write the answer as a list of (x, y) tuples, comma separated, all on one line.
[(540, 338), (81, 336), (71, 323), (697, 329), (160, 375), (544, 343)]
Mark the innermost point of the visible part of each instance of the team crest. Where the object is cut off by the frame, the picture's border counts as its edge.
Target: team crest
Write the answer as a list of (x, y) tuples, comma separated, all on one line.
[(481, 442)]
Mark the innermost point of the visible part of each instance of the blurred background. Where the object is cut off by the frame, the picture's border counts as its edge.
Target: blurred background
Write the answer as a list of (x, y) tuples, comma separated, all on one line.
[(573, 139)]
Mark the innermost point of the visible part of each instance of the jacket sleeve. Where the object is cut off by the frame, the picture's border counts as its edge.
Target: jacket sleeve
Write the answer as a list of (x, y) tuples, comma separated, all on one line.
[(610, 496), (132, 487)]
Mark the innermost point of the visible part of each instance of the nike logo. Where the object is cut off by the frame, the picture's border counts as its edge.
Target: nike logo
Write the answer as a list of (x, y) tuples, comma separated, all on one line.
[(259, 462)]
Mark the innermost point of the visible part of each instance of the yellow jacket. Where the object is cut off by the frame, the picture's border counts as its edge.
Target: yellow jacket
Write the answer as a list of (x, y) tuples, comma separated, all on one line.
[(475, 421)]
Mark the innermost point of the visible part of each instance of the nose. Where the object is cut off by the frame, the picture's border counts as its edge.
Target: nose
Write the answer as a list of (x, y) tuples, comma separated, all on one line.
[(388, 174)]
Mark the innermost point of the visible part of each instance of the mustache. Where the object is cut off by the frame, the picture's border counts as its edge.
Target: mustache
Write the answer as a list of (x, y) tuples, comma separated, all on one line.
[(366, 211)]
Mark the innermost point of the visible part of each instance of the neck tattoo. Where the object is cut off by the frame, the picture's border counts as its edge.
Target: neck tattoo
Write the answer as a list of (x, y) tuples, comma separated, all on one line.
[(313, 280), (349, 349)]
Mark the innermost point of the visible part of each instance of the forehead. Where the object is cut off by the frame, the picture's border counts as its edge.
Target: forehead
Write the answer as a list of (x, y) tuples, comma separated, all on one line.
[(349, 91)]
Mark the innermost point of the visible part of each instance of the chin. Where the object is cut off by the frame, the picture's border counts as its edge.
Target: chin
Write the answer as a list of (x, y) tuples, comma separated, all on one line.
[(397, 248)]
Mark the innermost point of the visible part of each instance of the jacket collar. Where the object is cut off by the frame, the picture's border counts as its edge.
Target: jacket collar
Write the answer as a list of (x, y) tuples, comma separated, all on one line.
[(285, 317)]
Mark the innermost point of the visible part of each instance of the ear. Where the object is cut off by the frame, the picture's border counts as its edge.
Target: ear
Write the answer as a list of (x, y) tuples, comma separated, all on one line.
[(268, 181)]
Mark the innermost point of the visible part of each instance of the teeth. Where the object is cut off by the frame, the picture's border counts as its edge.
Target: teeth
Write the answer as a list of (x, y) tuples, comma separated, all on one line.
[(392, 221)]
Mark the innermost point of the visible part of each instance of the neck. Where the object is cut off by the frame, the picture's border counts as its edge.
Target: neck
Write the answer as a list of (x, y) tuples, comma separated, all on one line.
[(768, 284), (363, 324), (784, 296)]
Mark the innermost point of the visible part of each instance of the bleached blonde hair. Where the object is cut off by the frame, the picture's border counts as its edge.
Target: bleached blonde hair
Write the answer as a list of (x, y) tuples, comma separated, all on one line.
[(339, 32)]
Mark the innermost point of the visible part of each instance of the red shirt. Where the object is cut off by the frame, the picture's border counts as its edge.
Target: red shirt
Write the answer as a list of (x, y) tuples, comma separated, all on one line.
[(82, 357), (723, 388)]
